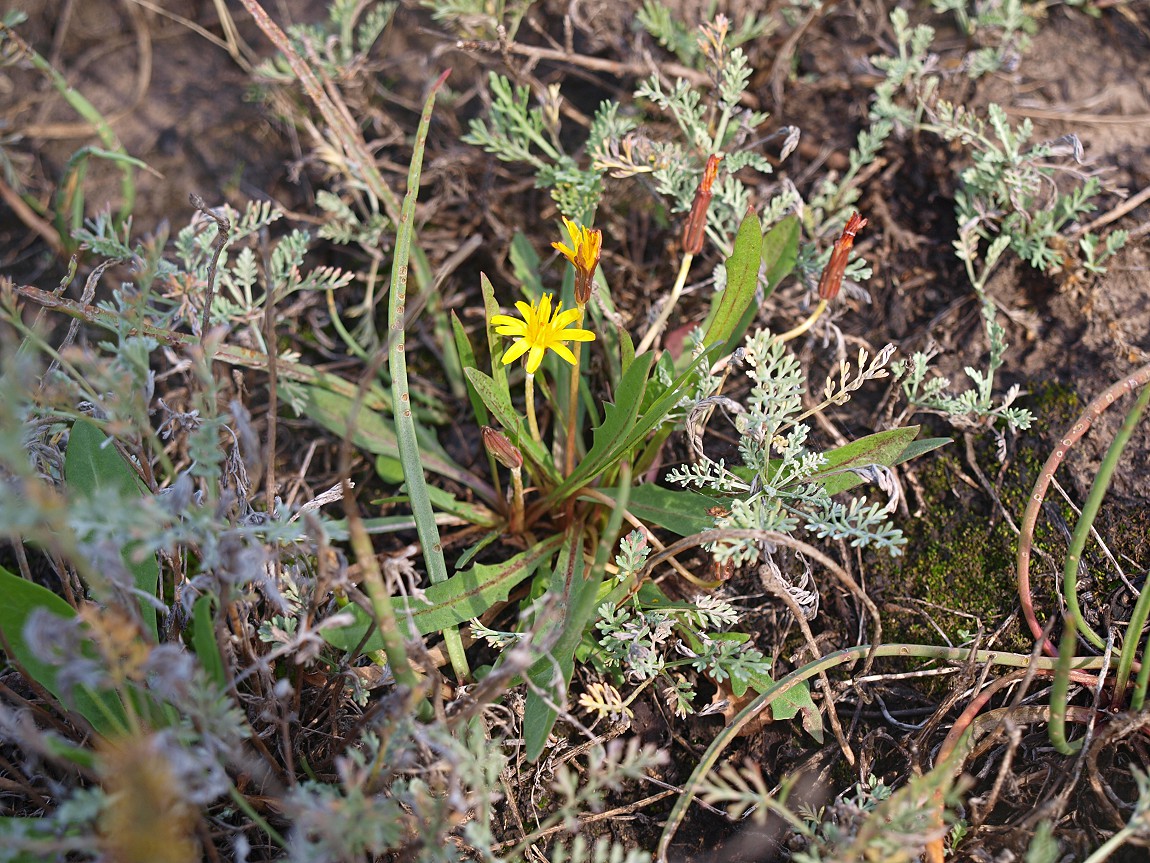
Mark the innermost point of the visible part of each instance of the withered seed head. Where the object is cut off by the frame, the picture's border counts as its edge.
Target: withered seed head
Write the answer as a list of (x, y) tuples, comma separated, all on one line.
[(831, 280), (696, 225)]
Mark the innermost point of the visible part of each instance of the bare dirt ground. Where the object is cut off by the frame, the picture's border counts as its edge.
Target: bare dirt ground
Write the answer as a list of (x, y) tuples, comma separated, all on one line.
[(185, 106)]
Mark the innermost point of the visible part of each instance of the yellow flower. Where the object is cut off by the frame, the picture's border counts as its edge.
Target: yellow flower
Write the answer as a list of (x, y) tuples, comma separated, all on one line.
[(588, 244), (539, 332)]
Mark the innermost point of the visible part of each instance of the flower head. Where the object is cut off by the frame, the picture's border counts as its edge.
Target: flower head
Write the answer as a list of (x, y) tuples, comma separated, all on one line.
[(506, 453), (540, 331), (586, 246)]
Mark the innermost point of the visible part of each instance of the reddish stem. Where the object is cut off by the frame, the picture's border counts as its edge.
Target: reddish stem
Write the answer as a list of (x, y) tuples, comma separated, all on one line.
[(1038, 494)]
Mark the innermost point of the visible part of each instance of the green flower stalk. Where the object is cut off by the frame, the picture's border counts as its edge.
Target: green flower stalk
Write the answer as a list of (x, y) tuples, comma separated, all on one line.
[(694, 232), (831, 281), (583, 253), (508, 455)]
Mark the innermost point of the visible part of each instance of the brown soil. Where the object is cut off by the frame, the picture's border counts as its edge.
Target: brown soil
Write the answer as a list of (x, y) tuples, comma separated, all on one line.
[(183, 106)]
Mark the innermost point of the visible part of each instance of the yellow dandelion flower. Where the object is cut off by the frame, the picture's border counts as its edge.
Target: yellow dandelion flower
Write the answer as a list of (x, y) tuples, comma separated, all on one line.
[(584, 251), (540, 331)]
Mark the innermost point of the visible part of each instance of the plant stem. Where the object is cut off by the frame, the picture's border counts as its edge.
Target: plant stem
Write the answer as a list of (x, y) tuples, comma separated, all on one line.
[(1129, 648), (1103, 851), (1034, 504), (785, 684), (257, 819), (381, 605), (805, 325), (515, 520), (573, 403), (665, 312), (1086, 521), (1059, 691), (1140, 683), (532, 424)]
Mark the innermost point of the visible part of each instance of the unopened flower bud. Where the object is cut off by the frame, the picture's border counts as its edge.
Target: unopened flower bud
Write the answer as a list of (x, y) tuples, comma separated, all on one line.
[(696, 225), (506, 453), (832, 278)]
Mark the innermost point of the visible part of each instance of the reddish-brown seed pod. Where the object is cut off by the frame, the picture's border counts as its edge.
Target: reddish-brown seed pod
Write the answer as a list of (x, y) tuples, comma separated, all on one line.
[(832, 278), (696, 225)]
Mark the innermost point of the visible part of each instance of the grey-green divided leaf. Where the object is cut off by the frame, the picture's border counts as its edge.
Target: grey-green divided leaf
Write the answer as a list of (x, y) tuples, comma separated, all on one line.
[(36, 831), (93, 467), (18, 599), (461, 597), (685, 511)]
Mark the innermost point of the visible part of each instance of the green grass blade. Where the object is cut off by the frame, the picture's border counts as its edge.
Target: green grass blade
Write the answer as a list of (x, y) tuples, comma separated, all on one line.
[(408, 442), (577, 588), (1090, 512)]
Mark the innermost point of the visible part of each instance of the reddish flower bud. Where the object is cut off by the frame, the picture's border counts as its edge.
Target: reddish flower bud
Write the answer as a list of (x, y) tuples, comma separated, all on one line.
[(832, 278), (506, 453), (696, 224)]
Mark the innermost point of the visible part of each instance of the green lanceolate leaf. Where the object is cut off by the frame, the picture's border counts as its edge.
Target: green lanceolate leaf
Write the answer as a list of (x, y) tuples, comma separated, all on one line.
[(886, 448), (204, 641), (779, 254), (18, 599), (681, 511), (654, 415), (92, 466), (618, 422), (780, 251), (449, 603), (742, 280), (467, 358), (577, 589), (494, 340)]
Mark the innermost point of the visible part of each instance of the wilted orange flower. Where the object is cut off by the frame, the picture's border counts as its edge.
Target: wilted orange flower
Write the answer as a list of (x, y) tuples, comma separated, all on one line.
[(583, 253)]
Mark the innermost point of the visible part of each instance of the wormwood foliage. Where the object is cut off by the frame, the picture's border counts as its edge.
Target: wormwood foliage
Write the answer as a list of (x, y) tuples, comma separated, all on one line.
[(200, 650), (781, 484)]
